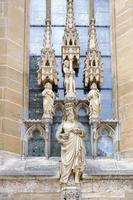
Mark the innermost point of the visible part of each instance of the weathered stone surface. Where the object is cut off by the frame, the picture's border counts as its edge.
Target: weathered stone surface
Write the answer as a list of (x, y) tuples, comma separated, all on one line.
[(124, 50), (12, 44)]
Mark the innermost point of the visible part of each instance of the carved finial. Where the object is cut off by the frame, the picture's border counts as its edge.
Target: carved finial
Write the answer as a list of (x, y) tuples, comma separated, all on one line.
[(93, 65), (70, 47), (47, 63), (70, 15), (93, 43), (48, 33)]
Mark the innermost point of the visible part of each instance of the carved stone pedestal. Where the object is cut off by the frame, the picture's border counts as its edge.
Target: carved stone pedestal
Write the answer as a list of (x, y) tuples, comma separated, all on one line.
[(71, 193)]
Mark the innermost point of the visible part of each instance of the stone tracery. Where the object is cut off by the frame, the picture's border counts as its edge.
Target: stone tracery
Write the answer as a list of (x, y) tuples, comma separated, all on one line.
[(47, 74)]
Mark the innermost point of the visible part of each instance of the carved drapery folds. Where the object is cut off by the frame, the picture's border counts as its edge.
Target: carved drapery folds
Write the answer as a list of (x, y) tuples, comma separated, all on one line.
[(70, 134), (48, 102), (94, 100), (69, 81)]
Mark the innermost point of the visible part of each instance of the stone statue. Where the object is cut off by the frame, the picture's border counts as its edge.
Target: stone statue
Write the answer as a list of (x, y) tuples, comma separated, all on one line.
[(48, 101), (69, 79), (93, 98), (70, 135)]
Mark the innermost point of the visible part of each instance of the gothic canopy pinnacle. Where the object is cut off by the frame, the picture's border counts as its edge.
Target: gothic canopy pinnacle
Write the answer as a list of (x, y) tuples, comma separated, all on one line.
[(93, 64), (47, 63), (70, 47)]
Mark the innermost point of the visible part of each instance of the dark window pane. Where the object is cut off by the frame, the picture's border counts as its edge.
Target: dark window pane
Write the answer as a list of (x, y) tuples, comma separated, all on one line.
[(55, 147), (36, 145), (84, 120), (37, 18), (105, 145)]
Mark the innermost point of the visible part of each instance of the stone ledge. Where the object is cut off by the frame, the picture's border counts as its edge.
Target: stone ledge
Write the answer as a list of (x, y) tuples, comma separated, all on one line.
[(40, 166)]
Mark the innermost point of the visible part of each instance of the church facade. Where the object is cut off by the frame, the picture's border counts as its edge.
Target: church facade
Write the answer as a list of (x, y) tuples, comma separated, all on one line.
[(66, 107)]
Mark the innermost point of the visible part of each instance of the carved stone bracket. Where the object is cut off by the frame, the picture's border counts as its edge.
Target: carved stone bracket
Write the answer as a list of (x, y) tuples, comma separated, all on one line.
[(71, 193)]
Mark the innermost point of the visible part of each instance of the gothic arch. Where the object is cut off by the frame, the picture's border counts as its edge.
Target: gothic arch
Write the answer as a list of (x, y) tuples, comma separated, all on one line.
[(28, 135), (34, 127), (82, 105), (110, 135)]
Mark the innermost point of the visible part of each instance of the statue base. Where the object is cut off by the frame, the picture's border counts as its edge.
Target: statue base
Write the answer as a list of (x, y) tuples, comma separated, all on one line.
[(71, 193), (69, 98)]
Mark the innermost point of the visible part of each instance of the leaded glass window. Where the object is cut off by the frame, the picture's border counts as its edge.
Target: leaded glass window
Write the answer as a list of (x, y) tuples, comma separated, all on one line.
[(84, 119), (58, 15), (55, 147), (104, 145), (36, 144)]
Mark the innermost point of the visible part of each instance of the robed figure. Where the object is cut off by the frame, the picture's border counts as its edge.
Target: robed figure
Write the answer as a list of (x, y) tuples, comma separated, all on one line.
[(70, 135), (48, 101), (94, 100)]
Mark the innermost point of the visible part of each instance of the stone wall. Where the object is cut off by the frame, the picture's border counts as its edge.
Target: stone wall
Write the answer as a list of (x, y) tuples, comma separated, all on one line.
[(41, 188), (12, 44), (124, 63)]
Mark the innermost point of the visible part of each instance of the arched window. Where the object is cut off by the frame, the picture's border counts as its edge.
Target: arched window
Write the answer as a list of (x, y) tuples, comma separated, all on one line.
[(36, 144), (104, 145), (58, 15), (58, 18)]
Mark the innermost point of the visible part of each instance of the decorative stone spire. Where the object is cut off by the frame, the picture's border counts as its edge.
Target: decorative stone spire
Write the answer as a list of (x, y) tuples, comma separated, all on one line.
[(48, 34), (70, 15), (70, 47), (93, 72), (47, 63), (93, 65), (47, 74)]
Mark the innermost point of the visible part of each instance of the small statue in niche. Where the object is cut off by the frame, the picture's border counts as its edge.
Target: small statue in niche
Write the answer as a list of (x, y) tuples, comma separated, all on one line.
[(70, 135), (69, 79), (48, 101), (94, 100)]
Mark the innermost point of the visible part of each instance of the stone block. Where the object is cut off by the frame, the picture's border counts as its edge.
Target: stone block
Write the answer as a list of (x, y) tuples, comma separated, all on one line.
[(124, 16), (14, 63), (12, 110), (11, 143), (3, 46), (16, 24), (12, 96), (22, 196), (3, 59), (45, 196), (11, 127), (126, 141)]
